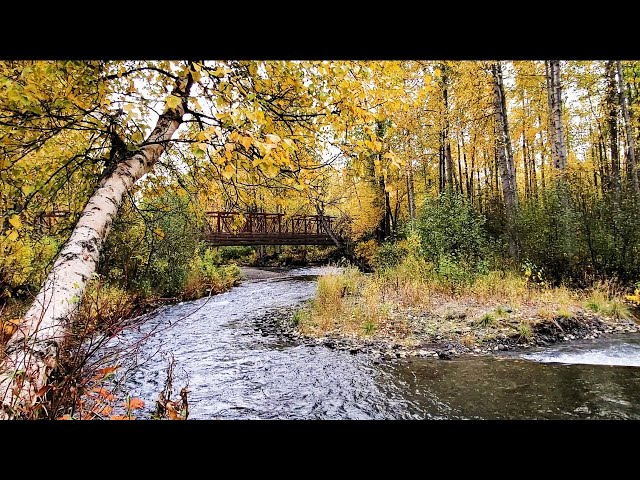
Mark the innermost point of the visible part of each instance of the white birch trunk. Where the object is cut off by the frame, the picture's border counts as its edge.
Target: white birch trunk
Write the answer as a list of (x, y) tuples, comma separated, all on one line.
[(548, 70), (631, 149), (556, 97), (505, 151), (31, 353)]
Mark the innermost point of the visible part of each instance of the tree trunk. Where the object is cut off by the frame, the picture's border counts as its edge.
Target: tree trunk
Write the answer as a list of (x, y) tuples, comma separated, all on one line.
[(559, 146), (533, 174), (441, 168), (631, 150), (32, 351), (445, 132), (504, 156), (612, 121), (551, 128), (325, 225), (411, 192), (504, 152), (460, 177)]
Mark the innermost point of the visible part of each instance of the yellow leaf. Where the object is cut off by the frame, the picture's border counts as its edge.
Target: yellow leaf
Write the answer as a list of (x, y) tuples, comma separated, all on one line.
[(271, 170), (15, 221), (290, 143), (13, 236), (172, 101), (159, 232), (272, 138), (228, 171), (27, 189), (246, 142)]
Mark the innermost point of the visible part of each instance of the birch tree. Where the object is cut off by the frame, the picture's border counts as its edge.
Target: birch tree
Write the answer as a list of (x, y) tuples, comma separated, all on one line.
[(32, 352)]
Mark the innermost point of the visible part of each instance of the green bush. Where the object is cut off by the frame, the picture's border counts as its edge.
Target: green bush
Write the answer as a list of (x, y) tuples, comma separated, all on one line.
[(228, 254), (581, 238), (205, 276), (452, 237), (389, 254), (151, 245)]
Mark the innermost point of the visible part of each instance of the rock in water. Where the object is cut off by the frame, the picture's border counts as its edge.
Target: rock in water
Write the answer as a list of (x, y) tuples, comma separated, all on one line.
[(444, 354)]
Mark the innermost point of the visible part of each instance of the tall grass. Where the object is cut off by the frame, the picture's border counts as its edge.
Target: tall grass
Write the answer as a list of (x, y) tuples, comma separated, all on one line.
[(365, 304), (607, 298)]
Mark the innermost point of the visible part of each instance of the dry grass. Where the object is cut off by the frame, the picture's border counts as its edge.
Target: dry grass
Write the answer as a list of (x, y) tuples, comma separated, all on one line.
[(356, 304), (607, 298)]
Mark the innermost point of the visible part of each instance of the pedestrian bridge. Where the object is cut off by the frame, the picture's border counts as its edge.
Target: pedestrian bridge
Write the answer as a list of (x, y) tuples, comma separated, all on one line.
[(235, 228)]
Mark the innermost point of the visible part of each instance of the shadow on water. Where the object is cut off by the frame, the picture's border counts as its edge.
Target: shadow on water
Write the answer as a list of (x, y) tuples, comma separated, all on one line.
[(235, 371)]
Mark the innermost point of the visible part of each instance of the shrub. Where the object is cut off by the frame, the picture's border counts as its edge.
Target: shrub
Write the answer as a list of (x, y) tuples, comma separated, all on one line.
[(486, 320), (366, 252), (151, 246), (451, 231), (524, 331), (388, 255)]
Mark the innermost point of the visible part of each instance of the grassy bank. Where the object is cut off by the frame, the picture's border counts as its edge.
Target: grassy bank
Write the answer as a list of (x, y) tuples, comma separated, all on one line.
[(411, 304)]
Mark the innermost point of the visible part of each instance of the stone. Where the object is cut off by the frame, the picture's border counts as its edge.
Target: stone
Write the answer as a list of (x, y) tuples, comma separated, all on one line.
[(501, 347)]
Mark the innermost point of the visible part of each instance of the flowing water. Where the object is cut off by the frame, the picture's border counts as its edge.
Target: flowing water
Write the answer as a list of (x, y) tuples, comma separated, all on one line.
[(235, 371)]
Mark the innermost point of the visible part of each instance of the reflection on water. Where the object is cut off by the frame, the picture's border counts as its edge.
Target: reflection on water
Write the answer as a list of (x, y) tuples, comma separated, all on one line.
[(504, 387), (234, 371)]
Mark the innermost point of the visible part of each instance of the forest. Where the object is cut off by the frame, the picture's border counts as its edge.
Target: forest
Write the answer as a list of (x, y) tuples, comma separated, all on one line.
[(493, 186)]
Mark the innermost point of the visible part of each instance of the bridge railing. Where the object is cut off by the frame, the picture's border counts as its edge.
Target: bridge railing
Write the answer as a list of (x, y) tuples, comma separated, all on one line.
[(233, 223)]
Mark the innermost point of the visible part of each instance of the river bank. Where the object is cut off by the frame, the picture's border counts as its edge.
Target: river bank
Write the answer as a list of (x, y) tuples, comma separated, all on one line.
[(346, 315), (455, 344)]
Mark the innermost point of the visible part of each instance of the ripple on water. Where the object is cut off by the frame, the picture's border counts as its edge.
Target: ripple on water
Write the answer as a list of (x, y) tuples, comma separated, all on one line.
[(234, 372)]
